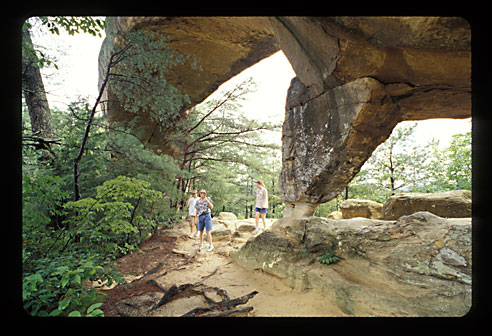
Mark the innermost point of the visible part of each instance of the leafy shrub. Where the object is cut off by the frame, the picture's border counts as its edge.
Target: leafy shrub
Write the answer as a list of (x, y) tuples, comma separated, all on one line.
[(111, 219), (327, 258), (57, 287), (58, 267)]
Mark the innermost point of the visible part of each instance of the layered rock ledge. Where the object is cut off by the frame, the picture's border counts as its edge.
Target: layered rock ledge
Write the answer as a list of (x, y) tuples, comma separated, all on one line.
[(418, 265)]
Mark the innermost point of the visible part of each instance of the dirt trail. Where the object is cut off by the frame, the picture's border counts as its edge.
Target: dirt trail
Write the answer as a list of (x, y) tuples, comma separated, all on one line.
[(172, 248)]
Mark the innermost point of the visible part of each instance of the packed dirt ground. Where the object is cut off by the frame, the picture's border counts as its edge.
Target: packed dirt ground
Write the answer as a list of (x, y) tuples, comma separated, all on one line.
[(170, 258)]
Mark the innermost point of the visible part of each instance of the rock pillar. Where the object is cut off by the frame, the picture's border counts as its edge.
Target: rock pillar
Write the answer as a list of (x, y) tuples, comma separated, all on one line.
[(327, 139), (357, 78)]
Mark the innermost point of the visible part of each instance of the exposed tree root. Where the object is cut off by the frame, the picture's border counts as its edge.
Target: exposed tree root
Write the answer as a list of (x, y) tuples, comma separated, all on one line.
[(226, 307)]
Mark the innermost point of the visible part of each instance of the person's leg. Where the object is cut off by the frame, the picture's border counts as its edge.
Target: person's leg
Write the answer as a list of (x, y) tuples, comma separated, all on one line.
[(192, 224), (257, 217), (208, 229), (263, 215), (210, 244), (201, 225), (196, 226)]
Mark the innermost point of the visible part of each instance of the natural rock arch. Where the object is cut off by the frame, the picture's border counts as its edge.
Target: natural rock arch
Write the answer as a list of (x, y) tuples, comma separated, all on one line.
[(357, 77)]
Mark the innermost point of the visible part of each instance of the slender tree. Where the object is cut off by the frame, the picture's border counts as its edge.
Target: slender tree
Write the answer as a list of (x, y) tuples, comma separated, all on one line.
[(34, 94)]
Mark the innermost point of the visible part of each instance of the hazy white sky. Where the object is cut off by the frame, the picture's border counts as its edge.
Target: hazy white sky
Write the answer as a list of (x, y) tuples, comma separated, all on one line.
[(78, 76)]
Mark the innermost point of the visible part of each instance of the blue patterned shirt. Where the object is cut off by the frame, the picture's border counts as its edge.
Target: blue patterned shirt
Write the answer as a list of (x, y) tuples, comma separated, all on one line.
[(202, 207)]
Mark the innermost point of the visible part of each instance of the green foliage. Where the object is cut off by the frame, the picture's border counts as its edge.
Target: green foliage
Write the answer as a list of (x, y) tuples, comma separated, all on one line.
[(139, 79), (74, 24), (398, 165), (42, 198), (127, 189), (328, 258), (224, 153), (42, 211), (95, 230), (71, 24), (57, 286), (458, 155), (111, 221)]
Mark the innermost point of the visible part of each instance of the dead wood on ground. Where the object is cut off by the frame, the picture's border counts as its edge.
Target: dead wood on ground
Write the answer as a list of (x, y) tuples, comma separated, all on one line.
[(223, 308), (226, 307)]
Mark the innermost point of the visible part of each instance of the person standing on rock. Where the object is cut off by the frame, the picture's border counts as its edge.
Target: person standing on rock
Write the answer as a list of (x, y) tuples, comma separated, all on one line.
[(261, 205), (190, 202), (203, 207)]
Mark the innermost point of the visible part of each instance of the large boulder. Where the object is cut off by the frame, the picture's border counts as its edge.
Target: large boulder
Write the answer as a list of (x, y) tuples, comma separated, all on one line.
[(360, 208), (227, 216), (335, 215), (449, 204), (419, 265), (220, 232)]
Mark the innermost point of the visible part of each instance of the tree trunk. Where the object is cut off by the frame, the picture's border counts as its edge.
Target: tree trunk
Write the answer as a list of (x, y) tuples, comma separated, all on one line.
[(34, 93)]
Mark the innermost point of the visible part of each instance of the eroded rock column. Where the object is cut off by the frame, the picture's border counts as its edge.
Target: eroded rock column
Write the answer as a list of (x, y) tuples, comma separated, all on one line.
[(327, 139)]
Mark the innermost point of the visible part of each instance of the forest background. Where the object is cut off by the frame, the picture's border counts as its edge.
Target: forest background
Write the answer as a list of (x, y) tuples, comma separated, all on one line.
[(92, 191)]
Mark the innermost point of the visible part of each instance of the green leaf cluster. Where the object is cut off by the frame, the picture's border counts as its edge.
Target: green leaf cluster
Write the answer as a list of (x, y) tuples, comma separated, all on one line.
[(139, 79), (112, 217), (74, 24), (57, 286), (328, 258)]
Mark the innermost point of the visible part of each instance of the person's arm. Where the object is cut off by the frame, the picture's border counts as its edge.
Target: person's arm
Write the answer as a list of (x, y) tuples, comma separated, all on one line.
[(209, 201), (265, 197)]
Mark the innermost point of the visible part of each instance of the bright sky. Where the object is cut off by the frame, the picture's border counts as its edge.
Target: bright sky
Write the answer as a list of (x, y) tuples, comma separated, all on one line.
[(78, 76)]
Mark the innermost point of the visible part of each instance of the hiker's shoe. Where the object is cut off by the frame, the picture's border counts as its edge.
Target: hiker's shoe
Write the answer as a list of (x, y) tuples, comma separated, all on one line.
[(197, 234), (190, 235), (200, 247), (255, 231), (210, 247)]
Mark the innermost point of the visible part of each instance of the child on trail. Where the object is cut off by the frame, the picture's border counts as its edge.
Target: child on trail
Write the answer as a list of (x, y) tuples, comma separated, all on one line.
[(190, 202), (203, 208), (261, 205)]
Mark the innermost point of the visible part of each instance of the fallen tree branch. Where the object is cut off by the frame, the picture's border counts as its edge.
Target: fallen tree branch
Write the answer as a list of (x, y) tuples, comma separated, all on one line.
[(189, 259), (153, 270), (156, 284), (223, 306), (170, 294), (208, 276), (221, 292)]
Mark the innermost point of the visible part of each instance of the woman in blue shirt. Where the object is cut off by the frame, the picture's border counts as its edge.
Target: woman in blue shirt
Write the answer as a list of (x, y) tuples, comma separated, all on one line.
[(204, 208)]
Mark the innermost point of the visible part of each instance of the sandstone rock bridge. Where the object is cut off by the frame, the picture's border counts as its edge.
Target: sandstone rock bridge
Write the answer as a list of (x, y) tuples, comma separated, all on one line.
[(357, 78)]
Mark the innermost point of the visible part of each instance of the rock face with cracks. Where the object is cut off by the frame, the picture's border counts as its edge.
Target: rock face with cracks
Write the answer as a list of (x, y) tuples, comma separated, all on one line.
[(449, 204), (418, 265), (357, 78)]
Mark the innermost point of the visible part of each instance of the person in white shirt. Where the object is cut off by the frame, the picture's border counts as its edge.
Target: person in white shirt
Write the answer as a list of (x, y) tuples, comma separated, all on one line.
[(190, 202), (261, 205)]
